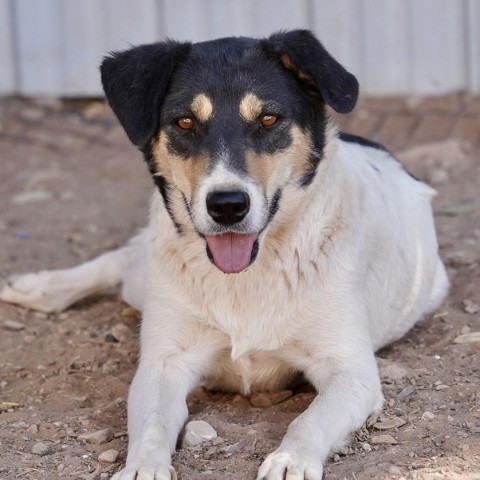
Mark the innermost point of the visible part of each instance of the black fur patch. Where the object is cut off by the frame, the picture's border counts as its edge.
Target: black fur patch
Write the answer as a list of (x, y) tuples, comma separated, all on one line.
[(164, 189), (274, 205), (364, 142)]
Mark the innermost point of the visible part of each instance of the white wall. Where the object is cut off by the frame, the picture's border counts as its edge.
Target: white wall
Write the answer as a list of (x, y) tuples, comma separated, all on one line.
[(53, 47)]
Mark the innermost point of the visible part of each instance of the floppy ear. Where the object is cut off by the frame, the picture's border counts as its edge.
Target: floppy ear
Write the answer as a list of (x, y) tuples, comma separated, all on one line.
[(300, 52), (135, 83)]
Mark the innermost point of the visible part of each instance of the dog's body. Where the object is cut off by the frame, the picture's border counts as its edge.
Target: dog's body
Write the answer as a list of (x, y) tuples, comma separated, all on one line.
[(334, 240)]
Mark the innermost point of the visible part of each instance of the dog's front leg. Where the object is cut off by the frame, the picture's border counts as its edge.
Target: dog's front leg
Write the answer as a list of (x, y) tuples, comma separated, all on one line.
[(345, 401), (175, 354)]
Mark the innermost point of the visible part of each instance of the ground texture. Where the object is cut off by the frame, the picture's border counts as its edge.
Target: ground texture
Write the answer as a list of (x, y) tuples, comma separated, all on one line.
[(71, 187)]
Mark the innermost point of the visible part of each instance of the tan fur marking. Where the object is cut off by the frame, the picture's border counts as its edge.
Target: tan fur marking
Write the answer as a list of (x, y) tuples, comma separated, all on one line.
[(202, 107), (250, 107), (273, 170), (179, 172)]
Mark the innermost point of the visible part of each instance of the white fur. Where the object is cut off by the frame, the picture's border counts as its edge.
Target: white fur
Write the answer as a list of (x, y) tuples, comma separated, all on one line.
[(347, 266)]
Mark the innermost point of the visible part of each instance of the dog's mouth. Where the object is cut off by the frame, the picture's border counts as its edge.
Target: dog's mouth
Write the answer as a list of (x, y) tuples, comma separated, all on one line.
[(232, 252)]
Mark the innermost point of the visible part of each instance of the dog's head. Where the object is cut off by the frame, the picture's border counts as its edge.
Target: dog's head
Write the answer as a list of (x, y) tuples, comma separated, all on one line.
[(226, 126)]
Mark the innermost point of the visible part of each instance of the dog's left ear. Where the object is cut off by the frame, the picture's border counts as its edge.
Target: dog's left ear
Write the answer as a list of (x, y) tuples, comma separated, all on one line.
[(300, 52)]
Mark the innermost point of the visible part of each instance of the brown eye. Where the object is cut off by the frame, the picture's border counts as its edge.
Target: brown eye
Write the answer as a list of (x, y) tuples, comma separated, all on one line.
[(268, 120), (186, 123)]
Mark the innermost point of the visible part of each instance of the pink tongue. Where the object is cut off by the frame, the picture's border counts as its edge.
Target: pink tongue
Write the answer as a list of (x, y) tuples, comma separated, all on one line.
[(231, 251)]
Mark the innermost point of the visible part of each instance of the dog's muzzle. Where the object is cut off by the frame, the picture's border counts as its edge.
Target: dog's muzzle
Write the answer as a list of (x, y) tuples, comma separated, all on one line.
[(231, 252)]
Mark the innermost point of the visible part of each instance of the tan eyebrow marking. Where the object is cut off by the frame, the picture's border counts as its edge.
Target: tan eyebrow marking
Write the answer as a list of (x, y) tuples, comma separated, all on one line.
[(250, 107), (202, 107)]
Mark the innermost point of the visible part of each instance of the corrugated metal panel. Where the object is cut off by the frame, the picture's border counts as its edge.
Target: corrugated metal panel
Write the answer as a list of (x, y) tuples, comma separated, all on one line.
[(7, 76), (394, 47), (473, 44)]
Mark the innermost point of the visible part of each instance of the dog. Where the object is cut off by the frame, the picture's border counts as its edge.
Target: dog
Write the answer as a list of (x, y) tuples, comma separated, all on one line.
[(276, 246)]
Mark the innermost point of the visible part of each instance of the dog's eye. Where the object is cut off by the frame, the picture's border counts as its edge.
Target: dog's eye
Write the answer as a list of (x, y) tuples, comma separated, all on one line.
[(186, 123), (268, 120)]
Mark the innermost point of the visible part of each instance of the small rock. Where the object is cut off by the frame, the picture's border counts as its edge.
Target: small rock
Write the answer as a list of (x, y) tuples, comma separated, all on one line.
[(268, 399), (394, 470), (241, 402), (470, 307), (428, 416), (468, 338), (121, 332), (336, 458), (13, 325), (441, 387), (383, 440), (30, 197), (390, 372), (197, 432), (367, 447), (108, 456), (466, 329), (390, 423), (32, 429), (41, 449), (97, 438)]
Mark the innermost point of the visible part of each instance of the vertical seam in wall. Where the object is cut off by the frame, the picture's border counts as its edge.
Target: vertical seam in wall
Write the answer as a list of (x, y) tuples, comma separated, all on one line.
[(17, 77), (361, 12), (409, 47), (468, 45), (160, 24)]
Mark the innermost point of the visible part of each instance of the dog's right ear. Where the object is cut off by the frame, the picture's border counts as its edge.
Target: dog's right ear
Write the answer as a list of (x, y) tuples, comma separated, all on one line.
[(135, 83)]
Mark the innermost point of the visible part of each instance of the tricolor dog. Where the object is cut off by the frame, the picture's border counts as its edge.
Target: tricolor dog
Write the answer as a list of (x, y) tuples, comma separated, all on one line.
[(277, 246)]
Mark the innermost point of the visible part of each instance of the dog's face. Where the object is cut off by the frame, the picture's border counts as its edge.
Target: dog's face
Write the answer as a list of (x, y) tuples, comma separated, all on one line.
[(225, 126)]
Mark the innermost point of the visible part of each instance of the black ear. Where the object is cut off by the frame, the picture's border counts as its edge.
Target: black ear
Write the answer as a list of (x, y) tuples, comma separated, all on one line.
[(301, 52), (135, 83)]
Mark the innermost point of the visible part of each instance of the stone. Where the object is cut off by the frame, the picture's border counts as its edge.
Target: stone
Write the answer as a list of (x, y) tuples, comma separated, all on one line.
[(470, 307), (468, 338), (383, 440), (121, 332), (390, 423), (108, 456), (98, 437), (367, 447), (30, 197), (42, 449), (13, 325), (390, 372), (428, 416), (197, 432)]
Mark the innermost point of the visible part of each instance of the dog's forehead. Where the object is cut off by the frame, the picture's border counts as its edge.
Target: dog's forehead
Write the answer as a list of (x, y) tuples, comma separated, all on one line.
[(226, 73)]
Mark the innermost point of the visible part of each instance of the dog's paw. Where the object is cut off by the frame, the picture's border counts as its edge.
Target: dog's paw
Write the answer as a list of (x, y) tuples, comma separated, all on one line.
[(290, 465), (46, 291), (147, 472)]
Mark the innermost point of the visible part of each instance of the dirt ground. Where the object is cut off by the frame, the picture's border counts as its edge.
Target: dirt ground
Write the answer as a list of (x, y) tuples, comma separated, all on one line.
[(71, 187)]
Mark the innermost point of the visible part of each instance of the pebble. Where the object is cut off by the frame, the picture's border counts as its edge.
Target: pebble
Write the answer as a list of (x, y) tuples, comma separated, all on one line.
[(13, 325), (33, 429), (468, 338), (197, 432), (441, 387), (30, 197), (394, 470), (470, 307), (97, 438), (390, 372), (428, 416), (268, 399), (383, 440), (367, 447), (121, 332), (108, 456), (390, 423), (41, 449)]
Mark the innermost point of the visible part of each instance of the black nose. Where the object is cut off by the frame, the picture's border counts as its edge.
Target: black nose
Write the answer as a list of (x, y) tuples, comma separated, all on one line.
[(228, 208)]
